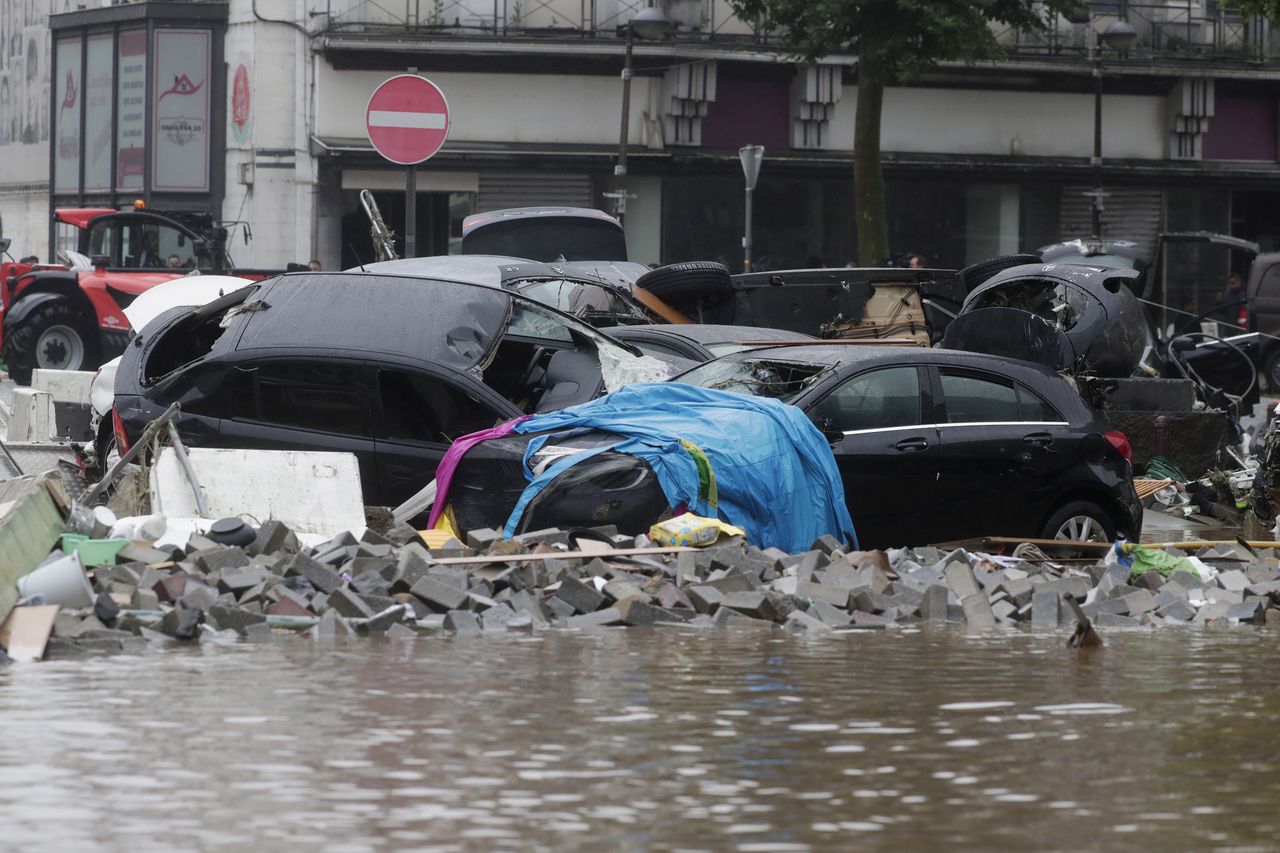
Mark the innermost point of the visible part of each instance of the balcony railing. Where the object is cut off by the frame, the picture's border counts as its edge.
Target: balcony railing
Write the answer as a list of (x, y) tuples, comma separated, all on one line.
[(1188, 30), (1191, 30)]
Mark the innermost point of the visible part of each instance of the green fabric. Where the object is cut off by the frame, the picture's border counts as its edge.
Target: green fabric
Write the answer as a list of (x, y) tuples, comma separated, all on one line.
[(1162, 468), (1155, 560), (706, 475)]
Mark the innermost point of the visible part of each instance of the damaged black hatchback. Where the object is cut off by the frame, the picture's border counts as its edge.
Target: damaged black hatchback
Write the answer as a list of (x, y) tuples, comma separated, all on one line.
[(376, 365)]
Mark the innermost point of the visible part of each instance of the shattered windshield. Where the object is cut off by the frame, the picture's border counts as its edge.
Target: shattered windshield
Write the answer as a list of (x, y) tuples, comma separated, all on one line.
[(578, 298), (1061, 305), (1118, 262), (779, 380)]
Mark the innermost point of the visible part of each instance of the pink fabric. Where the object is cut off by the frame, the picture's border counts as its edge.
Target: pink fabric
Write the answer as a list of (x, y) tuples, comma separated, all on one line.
[(452, 456)]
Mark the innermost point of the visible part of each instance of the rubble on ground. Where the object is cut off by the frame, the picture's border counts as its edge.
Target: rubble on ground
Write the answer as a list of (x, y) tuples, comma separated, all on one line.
[(393, 585)]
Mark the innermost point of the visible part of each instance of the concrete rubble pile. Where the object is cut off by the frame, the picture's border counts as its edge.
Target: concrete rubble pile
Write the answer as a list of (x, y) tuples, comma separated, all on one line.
[(391, 585)]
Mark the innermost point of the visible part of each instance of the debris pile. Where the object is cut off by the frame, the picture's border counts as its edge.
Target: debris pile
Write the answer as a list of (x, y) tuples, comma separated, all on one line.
[(392, 584)]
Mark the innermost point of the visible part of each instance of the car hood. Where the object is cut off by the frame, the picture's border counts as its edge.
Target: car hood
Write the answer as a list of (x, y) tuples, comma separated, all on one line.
[(187, 291)]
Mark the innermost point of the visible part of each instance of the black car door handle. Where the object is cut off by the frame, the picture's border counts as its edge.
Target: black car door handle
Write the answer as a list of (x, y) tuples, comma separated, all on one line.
[(912, 445), (1038, 439)]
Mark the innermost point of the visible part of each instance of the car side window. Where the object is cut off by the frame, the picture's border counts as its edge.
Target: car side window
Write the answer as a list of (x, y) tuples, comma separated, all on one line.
[(1270, 284), (417, 407), (884, 398), (314, 396), (1034, 408), (973, 399)]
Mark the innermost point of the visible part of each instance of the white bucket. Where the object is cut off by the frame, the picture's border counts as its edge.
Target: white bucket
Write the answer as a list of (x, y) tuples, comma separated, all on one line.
[(60, 581)]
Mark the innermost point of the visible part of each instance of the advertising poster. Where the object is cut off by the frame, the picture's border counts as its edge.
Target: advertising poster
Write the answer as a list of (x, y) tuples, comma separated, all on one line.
[(131, 111), (181, 109), (99, 94), (66, 152)]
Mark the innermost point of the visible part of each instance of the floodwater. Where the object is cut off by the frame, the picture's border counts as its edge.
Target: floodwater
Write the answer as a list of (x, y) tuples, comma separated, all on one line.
[(652, 739)]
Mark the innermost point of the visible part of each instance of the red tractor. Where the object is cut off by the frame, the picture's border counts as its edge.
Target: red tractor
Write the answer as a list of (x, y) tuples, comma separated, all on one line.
[(70, 317)]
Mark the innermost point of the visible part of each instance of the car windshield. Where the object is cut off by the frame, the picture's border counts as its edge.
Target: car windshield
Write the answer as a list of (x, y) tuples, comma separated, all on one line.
[(779, 380), (579, 298)]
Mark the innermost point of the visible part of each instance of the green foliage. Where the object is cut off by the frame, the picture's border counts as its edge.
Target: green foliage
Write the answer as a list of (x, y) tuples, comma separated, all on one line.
[(1269, 9), (901, 36)]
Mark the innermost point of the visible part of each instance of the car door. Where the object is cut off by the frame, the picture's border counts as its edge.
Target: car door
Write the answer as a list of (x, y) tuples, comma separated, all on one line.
[(887, 453), (1003, 448), (304, 404), (421, 413)]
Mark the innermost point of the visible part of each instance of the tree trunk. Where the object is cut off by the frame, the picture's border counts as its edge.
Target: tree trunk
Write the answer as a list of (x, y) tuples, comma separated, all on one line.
[(868, 182)]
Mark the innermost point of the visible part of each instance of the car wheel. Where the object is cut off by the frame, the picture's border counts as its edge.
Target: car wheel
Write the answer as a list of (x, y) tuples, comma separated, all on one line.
[(1080, 521), (105, 447), (1272, 372), (52, 337), (976, 274), (704, 281)]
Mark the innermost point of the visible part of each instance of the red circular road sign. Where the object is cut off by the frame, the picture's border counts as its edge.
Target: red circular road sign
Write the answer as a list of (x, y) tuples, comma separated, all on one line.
[(407, 119)]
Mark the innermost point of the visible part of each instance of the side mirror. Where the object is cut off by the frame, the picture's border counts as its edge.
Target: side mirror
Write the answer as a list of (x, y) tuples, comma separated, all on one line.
[(829, 431), (833, 436), (4, 244), (1183, 343), (100, 261)]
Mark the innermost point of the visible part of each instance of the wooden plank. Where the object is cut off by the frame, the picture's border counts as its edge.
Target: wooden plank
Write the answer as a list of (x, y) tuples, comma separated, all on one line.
[(25, 632), (558, 555)]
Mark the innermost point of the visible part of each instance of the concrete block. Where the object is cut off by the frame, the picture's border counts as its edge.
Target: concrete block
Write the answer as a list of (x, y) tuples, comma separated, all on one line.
[(1115, 620), (233, 618), (579, 596), (638, 613), (482, 538), (829, 614), (977, 611), (595, 619), (754, 604), (462, 622), (706, 599), (349, 604), (401, 631), (198, 596), (1178, 611), (238, 580), (1253, 610), (1045, 610), (320, 576), (933, 607), (217, 559), (835, 595), (31, 416), (801, 622), (961, 580), (273, 537), (1230, 596), (1003, 611), (1187, 580), (1139, 602), (1233, 580)]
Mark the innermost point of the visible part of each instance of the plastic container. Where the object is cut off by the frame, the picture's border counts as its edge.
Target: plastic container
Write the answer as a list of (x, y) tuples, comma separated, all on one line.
[(93, 552), (61, 581)]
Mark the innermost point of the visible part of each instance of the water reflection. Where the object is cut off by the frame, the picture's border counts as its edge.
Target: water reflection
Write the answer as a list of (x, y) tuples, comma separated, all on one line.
[(650, 739)]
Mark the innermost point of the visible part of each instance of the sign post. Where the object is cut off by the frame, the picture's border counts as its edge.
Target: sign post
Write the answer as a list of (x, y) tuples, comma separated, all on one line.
[(408, 121), (750, 155)]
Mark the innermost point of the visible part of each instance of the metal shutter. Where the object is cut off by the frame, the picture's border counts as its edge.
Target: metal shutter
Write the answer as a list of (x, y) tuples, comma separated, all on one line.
[(502, 190), (1129, 214)]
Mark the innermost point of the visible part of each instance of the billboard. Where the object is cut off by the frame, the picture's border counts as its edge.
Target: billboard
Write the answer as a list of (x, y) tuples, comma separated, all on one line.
[(98, 97), (66, 151), (131, 110), (180, 140)]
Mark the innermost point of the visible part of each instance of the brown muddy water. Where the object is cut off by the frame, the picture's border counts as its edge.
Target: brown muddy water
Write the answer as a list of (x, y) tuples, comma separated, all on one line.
[(652, 739)]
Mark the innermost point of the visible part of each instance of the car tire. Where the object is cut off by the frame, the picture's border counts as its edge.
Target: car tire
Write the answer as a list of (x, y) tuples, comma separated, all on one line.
[(106, 449), (53, 336), (1080, 521), (692, 281), (975, 274), (1271, 370)]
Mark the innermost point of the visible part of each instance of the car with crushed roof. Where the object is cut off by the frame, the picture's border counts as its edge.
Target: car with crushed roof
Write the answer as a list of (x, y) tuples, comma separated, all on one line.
[(372, 364)]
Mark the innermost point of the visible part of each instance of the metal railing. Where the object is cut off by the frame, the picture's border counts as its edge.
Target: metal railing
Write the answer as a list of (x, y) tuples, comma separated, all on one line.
[(1192, 30), (1174, 29)]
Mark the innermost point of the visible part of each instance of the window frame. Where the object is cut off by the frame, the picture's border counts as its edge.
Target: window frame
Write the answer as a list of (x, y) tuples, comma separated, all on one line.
[(923, 385), (476, 392), (1020, 390), (360, 387)]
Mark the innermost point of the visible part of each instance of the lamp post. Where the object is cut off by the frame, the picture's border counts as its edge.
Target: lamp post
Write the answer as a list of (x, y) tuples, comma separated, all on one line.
[(649, 23), (750, 155), (1118, 36)]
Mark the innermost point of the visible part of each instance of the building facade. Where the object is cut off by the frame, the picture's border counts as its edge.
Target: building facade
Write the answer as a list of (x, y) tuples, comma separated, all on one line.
[(256, 109)]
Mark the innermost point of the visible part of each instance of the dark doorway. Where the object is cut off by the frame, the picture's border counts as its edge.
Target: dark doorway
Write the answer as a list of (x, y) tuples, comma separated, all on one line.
[(432, 225), (1256, 216)]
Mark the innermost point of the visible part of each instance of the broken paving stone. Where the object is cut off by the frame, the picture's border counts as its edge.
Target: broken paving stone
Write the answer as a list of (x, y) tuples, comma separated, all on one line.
[(181, 623), (136, 553), (330, 625), (835, 595), (105, 608), (221, 557), (320, 576), (439, 595), (349, 604), (638, 613), (706, 599), (933, 606), (597, 619), (462, 622), (1045, 610), (798, 620), (977, 612), (579, 596), (233, 618)]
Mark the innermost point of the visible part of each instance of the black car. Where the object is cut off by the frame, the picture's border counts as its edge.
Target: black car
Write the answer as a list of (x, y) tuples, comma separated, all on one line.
[(935, 445), (689, 344), (932, 445), (389, 368)]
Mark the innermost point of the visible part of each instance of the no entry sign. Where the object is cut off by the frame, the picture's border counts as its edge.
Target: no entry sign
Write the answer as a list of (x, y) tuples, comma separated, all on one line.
[(407, 119)]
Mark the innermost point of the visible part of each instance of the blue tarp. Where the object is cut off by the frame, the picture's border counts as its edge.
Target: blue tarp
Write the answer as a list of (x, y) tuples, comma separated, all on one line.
[(773, 471)]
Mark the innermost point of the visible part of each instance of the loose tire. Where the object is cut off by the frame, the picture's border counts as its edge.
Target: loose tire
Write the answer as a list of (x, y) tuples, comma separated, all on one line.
[(976, 274), (692, 281), (54, 336), (1272, 372), (1080, 521)]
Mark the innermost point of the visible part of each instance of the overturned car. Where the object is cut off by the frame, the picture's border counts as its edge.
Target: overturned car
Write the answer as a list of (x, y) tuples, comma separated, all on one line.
[(386, 367)]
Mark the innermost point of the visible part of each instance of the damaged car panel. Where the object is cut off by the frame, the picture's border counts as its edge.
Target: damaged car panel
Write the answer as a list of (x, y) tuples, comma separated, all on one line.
[(1099, 324), (372, 364)]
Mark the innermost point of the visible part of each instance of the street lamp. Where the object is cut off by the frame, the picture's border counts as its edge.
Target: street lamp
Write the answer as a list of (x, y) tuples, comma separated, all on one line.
[(649, 23), (750, 155), (1119, 36)]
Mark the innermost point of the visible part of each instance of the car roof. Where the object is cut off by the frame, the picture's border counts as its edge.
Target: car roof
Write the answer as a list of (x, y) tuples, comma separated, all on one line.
[(453, 323), (1090, 277), (837, 355)]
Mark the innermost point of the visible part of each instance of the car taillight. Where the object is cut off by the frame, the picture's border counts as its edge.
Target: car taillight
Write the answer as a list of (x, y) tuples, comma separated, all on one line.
[(1120, 442), (122, 438), (1242, 320)]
